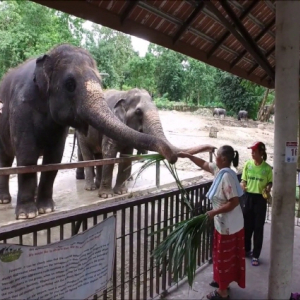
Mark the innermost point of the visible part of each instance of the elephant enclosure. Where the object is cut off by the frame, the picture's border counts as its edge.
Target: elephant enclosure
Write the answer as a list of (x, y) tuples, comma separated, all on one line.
[(183, 129), (135, 270)]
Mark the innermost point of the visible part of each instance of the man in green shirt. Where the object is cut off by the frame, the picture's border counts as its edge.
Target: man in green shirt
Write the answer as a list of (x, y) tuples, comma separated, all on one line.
[(257, 178)]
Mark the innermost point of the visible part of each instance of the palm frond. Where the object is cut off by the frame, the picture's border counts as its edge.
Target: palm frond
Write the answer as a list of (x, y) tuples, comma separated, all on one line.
[(184, 240)]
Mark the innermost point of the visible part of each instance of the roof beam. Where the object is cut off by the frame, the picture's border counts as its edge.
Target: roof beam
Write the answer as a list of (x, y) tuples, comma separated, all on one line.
[(251, 17), (257, 65), (246, 41), (178, 23), (188, 22), (128, 9), (256, 39), (85, 10), (228, 33)]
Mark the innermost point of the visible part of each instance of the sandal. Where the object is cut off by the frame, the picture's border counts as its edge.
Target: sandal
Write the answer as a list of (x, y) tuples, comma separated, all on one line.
[(255, 262), (215, 296), (216, 285)]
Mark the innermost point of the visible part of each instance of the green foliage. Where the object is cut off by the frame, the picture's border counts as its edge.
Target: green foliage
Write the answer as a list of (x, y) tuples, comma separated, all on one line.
[(112, 50), (238, 94), (28, 29)]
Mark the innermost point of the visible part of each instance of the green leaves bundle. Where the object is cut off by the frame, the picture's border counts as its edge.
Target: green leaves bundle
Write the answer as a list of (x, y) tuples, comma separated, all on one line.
[(184, 241)]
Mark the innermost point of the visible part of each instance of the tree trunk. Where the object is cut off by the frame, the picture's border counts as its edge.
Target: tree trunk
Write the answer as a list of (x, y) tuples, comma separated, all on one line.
[(298, 160), (262, 106), (266, 116)]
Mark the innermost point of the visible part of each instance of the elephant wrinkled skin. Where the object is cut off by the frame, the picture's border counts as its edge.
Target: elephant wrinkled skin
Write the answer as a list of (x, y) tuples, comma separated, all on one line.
[(41, 98), (136, 109)]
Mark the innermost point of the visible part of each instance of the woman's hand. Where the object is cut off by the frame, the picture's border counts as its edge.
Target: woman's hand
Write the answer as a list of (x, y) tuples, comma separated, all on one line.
[(211, 148), (211, 214)]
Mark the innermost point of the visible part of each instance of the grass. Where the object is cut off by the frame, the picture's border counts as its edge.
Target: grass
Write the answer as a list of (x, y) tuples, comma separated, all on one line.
[(183, 242)]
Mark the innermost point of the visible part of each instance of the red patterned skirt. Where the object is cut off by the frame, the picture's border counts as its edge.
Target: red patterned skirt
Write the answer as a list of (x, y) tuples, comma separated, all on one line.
[(229, 259)]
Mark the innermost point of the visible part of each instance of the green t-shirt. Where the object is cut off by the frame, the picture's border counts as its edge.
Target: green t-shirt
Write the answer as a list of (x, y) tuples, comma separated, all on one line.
[(257, 177)]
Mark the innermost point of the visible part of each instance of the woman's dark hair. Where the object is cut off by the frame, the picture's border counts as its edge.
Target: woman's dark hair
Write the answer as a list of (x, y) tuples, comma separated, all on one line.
[(230, 154)]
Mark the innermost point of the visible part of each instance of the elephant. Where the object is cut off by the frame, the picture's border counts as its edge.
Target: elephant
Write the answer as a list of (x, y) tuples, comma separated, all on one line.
[(136, 109), (243, 114), (219, 112), (41, 98)]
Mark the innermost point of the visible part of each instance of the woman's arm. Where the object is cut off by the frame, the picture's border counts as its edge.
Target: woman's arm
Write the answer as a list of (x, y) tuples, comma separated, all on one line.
[(199, 149), (196, 160), (227, 207)]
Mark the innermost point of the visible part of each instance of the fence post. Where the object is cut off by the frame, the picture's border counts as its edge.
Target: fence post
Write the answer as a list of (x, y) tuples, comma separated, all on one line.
[(157, 174)]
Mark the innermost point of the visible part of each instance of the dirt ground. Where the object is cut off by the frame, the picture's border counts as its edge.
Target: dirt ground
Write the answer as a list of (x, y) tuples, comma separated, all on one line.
[(185, 129)]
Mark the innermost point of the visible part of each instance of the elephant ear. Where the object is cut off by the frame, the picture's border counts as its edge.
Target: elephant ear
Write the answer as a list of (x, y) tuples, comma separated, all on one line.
[(42, 77), (119, 110)]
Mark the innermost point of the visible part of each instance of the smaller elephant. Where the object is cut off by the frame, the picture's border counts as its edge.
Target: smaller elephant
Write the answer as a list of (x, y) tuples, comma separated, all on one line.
[(243, 114), (219, 112)]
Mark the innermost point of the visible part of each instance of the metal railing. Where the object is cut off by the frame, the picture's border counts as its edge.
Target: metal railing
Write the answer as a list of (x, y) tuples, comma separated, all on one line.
[(136, 274)]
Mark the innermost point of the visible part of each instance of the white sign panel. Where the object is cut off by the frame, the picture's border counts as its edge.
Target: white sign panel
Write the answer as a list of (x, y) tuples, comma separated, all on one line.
[(291, 149), (76, 268)]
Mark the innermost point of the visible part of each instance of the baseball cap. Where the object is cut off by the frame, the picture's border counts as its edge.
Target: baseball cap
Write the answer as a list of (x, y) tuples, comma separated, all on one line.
[(258, 145)]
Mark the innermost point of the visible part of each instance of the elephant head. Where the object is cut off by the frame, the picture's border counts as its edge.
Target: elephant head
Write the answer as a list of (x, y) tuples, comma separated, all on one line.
[(138, 111), (69, 87)]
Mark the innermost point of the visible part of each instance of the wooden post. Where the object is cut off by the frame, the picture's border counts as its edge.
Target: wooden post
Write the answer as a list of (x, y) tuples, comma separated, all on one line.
[(286, 125)]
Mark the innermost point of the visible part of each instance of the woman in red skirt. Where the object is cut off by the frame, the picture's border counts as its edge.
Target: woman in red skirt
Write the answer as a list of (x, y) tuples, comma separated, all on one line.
[(229, 245)]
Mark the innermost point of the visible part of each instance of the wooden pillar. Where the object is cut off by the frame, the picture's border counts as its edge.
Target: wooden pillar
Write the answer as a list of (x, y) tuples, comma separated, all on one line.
[(286, 125)]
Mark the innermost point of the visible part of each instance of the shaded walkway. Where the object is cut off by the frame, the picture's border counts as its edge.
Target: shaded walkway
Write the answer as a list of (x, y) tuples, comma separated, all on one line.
[(256, 277)]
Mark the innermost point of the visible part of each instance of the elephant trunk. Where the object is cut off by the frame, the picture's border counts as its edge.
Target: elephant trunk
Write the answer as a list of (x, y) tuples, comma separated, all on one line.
[(96, 113), (154, 127)]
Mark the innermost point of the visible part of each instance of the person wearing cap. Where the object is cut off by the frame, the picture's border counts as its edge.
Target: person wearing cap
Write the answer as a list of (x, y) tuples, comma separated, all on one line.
[(256, 182)]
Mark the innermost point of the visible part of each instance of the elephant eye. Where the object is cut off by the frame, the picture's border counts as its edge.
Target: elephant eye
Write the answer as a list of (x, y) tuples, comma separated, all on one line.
[(138, 112), (70, 85)]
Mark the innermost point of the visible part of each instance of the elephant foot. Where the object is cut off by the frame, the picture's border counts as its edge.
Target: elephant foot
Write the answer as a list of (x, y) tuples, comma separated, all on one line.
[(45, 206), (26, 210), (105, 193), (90, 186), (120, 190), (80, 175), (5, 198)]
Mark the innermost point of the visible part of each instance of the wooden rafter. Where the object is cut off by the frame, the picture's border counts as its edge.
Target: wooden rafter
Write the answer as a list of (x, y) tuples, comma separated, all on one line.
[(128, 9), (257, 65), (188, 22), (256, 39), (227, 33), (246, 39)]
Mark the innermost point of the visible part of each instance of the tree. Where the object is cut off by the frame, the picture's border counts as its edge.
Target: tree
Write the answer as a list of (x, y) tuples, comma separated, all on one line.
[(28, 29), (112, 50), (237, 94)]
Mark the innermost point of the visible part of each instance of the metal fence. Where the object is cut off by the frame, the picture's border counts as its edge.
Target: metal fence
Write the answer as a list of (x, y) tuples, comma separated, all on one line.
[(136, 274)]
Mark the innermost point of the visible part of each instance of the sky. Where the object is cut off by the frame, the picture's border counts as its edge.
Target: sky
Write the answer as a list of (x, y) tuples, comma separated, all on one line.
[(139, 45)]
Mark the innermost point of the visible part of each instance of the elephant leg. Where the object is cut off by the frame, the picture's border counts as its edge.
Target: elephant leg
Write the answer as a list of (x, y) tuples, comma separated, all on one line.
[(87, 154), (109, 151), (98, 171), (26, 207), (5, 161), (45, 203), (79, 171), (124, 172)]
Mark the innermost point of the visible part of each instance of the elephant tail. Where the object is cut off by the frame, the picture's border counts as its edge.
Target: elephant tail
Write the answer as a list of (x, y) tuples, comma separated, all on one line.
[(74, 139)]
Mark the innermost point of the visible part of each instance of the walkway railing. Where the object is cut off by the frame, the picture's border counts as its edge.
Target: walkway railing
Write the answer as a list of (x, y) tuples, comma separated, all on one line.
[(136, 274)]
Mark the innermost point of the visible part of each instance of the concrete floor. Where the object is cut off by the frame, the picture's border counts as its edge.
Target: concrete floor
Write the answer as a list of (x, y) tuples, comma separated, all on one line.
[(256, 277)]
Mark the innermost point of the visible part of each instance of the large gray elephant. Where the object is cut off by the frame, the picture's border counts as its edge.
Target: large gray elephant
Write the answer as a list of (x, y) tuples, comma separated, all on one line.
[(219, 112), (41, 98), (134, 108)]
